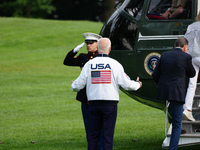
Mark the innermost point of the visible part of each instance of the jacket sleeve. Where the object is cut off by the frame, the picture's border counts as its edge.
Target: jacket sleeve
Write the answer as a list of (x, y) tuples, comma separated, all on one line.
[(125, 82), (81, 81), (190, 71), (70, 60)]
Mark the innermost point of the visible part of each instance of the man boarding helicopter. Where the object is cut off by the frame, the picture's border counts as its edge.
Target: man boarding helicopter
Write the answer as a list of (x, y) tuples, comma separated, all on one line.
[(138, 41)]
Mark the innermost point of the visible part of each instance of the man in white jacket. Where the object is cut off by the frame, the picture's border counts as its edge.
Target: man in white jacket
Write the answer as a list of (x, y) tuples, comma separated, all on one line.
[(103, 76)]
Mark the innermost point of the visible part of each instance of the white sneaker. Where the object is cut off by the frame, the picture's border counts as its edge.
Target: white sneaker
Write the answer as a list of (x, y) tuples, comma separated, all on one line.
[(188, 115)]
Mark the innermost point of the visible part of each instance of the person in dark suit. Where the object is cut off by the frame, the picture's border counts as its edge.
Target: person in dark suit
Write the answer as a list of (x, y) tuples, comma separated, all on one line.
[(170, 74)]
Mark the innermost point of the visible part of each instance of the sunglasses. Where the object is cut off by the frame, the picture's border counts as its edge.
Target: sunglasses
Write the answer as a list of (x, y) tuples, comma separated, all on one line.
[(90, 41)]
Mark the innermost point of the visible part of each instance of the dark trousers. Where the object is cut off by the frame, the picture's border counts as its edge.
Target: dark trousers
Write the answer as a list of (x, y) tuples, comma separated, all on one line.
[(176, 111), (102, 118), (85, 113)]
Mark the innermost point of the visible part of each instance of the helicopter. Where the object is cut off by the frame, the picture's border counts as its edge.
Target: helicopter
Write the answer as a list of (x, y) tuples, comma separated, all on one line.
[(139, 35), (138, 41)]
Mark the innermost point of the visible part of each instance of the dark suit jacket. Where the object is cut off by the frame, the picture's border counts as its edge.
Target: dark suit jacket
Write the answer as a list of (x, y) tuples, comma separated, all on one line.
[(170, 74)]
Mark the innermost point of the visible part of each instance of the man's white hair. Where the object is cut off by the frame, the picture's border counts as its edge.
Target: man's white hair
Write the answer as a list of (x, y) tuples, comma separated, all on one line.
[(104, 45)]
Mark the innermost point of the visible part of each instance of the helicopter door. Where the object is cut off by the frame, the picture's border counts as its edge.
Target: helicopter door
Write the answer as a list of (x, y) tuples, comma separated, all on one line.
[(122, 29), (158, 34)]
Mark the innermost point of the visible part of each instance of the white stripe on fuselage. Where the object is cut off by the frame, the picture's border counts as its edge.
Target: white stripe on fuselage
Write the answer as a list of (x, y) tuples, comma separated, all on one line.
[(160, 37)]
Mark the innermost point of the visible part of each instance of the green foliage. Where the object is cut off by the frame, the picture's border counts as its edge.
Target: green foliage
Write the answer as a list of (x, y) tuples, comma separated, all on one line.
[(36, 100), (27, 8), (36, 8)]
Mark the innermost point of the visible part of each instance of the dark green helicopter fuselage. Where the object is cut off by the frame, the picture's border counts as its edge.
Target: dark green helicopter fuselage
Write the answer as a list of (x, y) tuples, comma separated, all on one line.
[(138, 40)]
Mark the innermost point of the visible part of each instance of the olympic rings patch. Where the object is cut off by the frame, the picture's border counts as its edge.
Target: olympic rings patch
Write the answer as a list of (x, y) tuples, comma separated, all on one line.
[(150, 62)]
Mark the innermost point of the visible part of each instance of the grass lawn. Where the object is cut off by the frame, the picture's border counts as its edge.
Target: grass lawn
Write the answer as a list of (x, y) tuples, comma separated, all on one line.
[(36, 100)]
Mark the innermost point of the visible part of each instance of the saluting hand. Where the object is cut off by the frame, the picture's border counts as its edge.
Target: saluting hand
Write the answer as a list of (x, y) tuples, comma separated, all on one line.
[(77, 48)]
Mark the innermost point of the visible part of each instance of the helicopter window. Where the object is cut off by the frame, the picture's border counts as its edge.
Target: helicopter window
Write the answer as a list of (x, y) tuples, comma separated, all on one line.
[(124, 36), (134, 9), (170, 9)]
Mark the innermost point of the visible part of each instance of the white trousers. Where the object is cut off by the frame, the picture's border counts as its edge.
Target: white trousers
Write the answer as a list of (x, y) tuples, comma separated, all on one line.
[(192, 84)]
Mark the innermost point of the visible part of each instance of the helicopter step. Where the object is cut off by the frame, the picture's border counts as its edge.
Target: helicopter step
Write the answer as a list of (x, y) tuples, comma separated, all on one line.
[(190, 134)]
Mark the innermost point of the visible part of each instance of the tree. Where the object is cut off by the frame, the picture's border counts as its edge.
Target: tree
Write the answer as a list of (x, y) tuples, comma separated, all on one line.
[(95, 10), (108, 9), (77, 9), (7, 7), (26, 8)]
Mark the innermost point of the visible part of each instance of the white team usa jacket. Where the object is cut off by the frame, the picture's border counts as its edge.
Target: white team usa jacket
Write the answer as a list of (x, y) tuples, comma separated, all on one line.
[(102, 76)]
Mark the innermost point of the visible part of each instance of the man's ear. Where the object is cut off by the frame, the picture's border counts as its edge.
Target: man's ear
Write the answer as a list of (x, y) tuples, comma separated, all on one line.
[(109, 50), (185, 48)]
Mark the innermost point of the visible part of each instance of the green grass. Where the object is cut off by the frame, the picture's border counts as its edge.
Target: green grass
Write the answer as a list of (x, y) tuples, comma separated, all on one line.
[(36, 100)]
